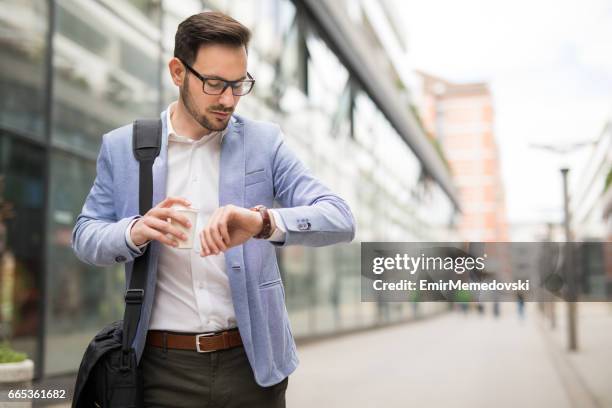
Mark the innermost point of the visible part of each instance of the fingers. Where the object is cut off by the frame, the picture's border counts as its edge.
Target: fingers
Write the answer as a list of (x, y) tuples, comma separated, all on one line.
[(205, 250), (215, 237), (165, 213), (223, 228), (154, 234), (165, 227), (170, 201), (215, 230), (161, 223), (158, 225)]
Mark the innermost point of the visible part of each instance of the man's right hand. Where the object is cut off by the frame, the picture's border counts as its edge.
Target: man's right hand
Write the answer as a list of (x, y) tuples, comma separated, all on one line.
[(154, 224)]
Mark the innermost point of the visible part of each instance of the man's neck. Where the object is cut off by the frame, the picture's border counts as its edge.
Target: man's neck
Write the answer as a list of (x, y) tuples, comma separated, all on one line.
[(184, 124)]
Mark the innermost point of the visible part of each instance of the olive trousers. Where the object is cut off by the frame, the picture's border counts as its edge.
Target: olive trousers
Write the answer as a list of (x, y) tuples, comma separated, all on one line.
[(219, 379)]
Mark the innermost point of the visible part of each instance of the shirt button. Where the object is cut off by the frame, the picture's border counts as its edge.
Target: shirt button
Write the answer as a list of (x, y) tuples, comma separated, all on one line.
[(120, 258)]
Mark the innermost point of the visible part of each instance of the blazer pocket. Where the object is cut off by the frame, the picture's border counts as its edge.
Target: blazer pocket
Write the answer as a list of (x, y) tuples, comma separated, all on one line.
[(255, 177)]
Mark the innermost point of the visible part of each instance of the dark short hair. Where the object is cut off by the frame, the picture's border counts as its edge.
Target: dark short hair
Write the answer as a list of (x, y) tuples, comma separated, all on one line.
[(209, 27)]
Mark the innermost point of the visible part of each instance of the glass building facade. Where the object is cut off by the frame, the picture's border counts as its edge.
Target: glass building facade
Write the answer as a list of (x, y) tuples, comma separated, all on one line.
[(71, 70)]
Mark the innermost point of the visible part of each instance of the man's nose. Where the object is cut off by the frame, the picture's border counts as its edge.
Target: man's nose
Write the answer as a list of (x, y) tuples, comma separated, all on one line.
[(227, 98)]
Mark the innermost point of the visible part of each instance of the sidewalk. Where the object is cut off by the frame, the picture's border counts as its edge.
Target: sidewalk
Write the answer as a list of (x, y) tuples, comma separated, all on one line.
[(590, 368), (457, 360), (453, 360)]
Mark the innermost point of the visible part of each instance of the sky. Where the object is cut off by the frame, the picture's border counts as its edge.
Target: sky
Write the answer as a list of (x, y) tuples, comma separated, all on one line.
[(549, 66)]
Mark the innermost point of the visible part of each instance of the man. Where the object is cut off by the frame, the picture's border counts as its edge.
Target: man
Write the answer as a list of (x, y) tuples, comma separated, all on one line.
[(214, 329)]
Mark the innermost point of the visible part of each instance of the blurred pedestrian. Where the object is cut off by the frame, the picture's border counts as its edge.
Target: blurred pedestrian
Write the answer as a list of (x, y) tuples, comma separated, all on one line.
[(496, 310), (520, 303)]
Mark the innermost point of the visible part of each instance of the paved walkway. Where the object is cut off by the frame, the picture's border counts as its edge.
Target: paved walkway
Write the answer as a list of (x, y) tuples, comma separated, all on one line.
[(589, 370), (458, 360), (454, 360)]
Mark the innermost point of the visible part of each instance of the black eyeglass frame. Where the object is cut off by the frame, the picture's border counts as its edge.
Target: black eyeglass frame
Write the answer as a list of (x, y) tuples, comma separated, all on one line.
[(204, 78)]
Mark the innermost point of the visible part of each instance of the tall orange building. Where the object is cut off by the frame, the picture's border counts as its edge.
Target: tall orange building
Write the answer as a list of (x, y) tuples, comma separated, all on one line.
[(460, 118)]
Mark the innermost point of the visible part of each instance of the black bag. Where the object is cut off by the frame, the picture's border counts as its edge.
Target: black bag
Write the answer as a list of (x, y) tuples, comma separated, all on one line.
[(109, 375)]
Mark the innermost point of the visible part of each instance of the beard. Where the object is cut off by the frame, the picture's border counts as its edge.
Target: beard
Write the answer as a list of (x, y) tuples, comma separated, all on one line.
[(207, 122)]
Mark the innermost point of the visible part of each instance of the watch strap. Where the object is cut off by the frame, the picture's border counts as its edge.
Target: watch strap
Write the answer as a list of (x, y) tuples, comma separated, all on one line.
[(266, 230)]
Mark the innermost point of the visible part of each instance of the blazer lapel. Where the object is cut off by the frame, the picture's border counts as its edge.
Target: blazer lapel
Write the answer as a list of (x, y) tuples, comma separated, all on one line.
[(232, 163)]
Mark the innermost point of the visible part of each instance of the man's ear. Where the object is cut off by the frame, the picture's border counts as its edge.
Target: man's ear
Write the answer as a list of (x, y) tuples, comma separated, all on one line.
[(177, 71)]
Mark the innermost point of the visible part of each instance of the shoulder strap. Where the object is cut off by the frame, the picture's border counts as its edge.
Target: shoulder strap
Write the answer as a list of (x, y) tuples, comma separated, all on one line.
[(146, 145)]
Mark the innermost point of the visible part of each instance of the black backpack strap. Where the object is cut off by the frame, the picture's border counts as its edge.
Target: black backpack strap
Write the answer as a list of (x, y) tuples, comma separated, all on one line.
[(146, 145)]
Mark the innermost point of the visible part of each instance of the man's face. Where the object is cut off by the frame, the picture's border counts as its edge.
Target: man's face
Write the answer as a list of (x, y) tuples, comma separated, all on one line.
[(213, 112)]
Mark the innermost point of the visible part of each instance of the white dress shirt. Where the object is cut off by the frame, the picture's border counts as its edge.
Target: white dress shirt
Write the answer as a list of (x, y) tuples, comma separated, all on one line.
[(193, 293)]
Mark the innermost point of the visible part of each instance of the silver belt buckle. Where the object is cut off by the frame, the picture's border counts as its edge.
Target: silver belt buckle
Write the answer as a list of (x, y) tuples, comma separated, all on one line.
[(198, 342)]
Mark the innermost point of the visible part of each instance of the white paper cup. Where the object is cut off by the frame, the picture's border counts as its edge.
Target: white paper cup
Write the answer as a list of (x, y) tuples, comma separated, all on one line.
[(192, 216)]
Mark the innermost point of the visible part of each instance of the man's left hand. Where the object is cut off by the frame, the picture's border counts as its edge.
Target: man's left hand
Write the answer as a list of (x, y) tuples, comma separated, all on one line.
[(229, 226)]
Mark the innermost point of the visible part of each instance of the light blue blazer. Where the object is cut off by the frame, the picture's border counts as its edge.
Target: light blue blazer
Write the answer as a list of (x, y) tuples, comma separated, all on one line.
[(257, 167)]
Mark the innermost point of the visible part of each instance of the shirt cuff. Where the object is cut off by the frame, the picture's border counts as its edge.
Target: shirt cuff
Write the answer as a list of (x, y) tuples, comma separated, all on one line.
[(128, 238), (279, 233)]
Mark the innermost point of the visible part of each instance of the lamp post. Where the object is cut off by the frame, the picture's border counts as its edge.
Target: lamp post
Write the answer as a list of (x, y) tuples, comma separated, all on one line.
[(570, 275)]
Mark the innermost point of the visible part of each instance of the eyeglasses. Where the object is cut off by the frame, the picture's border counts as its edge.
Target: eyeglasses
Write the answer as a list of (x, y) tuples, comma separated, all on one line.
[(216, 86)]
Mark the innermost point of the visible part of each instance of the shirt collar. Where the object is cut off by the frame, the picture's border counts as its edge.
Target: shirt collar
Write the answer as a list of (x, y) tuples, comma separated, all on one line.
[(173, 136)]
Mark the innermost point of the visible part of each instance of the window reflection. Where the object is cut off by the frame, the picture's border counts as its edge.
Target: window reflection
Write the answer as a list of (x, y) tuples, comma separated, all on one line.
[(23, 31), (21, 250), (83, 298), (103, 78)]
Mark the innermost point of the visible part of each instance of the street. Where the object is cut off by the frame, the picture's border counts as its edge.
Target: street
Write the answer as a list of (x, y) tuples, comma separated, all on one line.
[(457, 360)]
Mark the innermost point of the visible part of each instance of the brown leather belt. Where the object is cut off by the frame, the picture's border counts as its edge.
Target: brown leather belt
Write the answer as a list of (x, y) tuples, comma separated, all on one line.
[(202, 343)]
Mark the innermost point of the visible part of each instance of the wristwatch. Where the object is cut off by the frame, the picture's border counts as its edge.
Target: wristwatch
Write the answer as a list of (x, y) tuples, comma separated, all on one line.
[(266, 230)]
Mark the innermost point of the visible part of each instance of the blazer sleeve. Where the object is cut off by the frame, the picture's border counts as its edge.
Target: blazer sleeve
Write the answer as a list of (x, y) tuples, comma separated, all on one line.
[(98, 238), (312, 214)]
